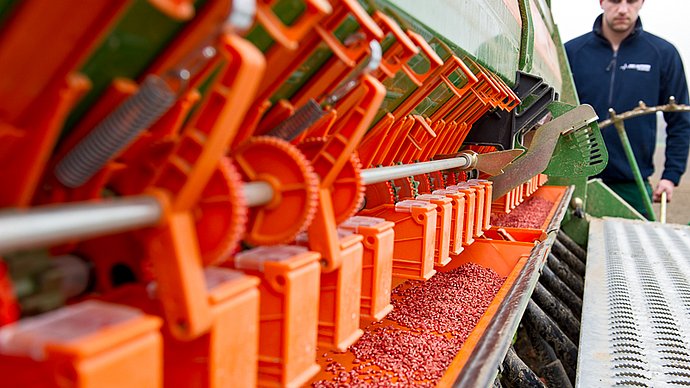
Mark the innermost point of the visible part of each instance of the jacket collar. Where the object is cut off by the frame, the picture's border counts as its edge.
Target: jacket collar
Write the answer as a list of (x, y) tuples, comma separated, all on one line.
[(598, 29)]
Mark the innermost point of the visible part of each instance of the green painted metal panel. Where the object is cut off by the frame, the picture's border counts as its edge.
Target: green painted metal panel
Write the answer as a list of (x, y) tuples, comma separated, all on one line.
[(604, 202), (577, 229), (485, 29), (545, 61)]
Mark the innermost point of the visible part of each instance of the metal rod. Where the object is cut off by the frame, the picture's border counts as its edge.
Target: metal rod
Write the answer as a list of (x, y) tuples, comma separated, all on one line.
[(53, 224), (257, 193), (60, 223), (620, 128), (662, 216), (643, 109), (382, 174)]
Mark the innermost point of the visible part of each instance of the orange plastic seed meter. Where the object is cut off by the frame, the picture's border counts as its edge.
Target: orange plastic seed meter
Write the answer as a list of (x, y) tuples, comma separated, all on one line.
[(470, 208), (227, 354), (377, 264), (444, 212), (89, 344), (479, 206), (457, 218), (339, 299), (415, 231), (488, 194), (288, 312)]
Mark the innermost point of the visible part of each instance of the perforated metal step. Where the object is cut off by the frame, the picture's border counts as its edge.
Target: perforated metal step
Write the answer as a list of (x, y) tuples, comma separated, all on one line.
[(636, 307)]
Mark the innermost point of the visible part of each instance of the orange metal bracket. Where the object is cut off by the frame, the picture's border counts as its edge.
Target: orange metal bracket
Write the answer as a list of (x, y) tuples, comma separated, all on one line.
[(176, 9), (330, 160), (401, 50), (373, 140), (290, 36), (174, 247), (434, 60)]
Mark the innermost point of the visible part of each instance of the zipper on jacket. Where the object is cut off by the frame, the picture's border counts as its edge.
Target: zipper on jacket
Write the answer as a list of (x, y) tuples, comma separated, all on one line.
[(612, 68)]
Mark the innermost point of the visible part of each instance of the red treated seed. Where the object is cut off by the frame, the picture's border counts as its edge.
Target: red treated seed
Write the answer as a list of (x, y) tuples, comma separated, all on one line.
[(450, 303), (530, 214)]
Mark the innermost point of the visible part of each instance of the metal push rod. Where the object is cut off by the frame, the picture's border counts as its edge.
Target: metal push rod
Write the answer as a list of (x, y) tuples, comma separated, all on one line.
[(382, 174), (54, 224)]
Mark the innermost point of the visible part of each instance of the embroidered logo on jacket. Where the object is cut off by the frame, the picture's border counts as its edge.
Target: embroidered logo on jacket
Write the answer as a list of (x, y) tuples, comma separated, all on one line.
[(637, 66)]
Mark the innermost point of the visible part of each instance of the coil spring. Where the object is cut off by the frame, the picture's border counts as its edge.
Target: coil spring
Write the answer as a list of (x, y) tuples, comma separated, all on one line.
[(115, 132)]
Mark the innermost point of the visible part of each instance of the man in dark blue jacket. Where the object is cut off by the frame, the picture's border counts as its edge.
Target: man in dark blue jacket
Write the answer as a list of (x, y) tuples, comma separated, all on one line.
[(617, 65)]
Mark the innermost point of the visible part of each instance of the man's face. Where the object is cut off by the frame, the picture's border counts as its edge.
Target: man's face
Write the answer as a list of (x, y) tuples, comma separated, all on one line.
[(621, 15)]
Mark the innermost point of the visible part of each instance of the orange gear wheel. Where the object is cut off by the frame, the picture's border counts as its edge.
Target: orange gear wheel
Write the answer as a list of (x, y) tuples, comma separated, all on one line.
[(424, 184), (436, 180), (378, 194), (295, 189), (221, 214), (404, 188), (347, 192)]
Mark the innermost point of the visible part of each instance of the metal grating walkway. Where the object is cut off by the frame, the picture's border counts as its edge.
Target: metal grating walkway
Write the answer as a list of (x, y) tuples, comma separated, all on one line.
[(636, 307)]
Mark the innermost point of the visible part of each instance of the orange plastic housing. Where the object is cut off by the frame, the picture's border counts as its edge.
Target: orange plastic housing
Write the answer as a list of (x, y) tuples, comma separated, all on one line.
[(444, 213), (415, 231), (339, 300), (91, 344), (457, 218), (470, 208), (225, 355), (479, 207), (288, 313), (377, 264), (488, 195)]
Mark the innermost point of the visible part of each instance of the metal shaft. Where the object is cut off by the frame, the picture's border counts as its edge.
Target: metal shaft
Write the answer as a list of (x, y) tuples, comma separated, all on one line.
[(65, 222), (382, 174), (55, 224)]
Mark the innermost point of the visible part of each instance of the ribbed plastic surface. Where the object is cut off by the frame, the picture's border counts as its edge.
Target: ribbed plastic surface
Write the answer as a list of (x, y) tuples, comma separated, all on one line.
[(636, 306)]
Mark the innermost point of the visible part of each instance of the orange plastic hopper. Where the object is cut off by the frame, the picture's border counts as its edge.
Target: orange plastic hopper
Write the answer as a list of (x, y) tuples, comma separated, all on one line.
[(377, 264), (470, 210), (415, 231), (457, 218), (444, 212), (89, 344), (288, 313)]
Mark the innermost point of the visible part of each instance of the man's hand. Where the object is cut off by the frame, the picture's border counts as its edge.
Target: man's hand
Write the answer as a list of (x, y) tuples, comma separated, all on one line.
[(664, 185)]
